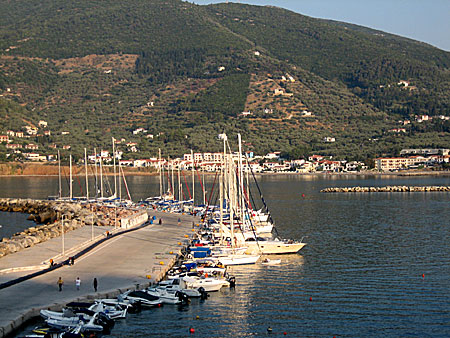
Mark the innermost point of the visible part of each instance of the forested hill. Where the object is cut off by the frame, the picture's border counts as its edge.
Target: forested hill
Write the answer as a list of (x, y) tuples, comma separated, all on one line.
[(185, 73)]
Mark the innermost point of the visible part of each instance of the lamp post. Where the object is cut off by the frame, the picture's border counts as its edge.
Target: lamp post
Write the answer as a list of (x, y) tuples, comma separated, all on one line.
[(62, 234)]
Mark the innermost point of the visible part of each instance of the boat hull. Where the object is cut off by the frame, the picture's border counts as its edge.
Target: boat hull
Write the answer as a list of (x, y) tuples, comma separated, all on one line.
[(273, 248)]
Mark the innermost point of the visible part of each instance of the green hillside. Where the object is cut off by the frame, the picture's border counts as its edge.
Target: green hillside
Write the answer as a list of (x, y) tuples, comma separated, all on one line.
[(185, 73)]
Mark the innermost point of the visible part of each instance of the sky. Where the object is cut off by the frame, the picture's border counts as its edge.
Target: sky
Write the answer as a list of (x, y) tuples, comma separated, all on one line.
[(423, 20)]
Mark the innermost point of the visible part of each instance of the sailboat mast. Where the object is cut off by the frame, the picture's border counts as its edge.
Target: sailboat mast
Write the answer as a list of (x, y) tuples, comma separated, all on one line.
[(204, 188), (179, 183), (160, 175), (59, 175), (101, 176), (114, 164), (173, 183), (193, 178), (241, 180), (96, 177), (86, 172), (70, 177), (119, 181), (231, 199)]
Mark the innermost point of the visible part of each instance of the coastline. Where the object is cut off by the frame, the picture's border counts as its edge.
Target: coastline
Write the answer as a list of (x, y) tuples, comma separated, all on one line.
[(51, 170)]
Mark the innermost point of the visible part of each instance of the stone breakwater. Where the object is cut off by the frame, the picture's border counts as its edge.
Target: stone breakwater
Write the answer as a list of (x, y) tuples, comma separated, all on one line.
[(45, 214), (389, 189)]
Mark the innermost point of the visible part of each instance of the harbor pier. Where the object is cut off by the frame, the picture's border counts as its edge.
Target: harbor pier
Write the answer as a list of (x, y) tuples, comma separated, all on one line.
[(127, 260)]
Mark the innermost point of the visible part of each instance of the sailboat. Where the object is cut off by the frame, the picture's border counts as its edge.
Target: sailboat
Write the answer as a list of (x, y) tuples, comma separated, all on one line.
[(228, 179), (249, 236)]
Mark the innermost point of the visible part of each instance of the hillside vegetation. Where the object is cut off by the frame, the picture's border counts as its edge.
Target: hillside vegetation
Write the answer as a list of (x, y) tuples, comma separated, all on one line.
[(185, 73)]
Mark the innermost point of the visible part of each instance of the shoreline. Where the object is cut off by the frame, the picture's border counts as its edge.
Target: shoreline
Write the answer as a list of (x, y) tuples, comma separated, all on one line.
[(362, 173)]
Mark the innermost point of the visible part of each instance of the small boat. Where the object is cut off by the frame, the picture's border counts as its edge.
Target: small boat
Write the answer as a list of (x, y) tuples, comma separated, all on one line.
[(268, 261), (99, 322), (208, 284), (239, 259), (144, 298), (165, 296)]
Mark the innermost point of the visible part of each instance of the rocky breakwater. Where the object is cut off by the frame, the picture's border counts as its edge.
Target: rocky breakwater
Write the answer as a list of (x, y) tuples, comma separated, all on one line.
[(395, 188), (47, 215)]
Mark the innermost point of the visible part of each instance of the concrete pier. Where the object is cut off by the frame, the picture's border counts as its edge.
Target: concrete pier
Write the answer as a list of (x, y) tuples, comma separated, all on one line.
[(136, 258)]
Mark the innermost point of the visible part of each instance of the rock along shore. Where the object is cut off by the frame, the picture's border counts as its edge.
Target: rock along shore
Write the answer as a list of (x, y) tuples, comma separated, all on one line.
[(394, 188), (45, 214)]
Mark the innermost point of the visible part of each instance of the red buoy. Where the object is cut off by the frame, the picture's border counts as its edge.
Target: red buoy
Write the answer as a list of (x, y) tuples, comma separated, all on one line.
[(191, 330), (423, 275), (285, 333), (303, 195), (310, 299)]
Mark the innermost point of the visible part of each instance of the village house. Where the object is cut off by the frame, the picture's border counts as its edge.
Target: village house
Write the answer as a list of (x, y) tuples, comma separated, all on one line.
[(398, 130), (329, 139), (31, 130), (281, 92), (47, 132), (315, 158), (13, 146), (306, 167), (245, 113), (271, 156), (35, 157), (396, 163), (330, 166), (32, 146), (422, 118), (43, 124), (11, 133), (139, 130), (353, 166), (126, 163), (4, 138), (66, 147), (19, 134)]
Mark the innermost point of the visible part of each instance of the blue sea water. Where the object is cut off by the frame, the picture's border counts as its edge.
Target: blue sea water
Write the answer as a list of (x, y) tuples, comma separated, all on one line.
[(376, 265)]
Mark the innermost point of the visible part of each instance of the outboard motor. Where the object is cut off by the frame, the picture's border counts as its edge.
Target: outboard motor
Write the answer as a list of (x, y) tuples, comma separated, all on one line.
[(203, 294), (182, 297), (135, 307), (106, 322), (232, 281)]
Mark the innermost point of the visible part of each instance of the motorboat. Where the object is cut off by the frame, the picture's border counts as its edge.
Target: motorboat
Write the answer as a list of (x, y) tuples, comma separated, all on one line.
[(208, 284), (174, 288), (239, 259), (99, 322), (165, 296), (144, 298), (272, 246), (268, 261)]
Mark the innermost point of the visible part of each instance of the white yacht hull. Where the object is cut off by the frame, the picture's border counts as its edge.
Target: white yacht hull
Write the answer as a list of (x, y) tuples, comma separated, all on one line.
[(239, 259), (273, 247)]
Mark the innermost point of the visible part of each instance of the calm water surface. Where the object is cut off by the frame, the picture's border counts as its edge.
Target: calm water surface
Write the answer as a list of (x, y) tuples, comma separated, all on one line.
[(362, 267)]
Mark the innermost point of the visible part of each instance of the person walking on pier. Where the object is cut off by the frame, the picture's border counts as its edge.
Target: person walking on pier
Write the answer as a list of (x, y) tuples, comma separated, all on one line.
[(95, 284), (60, 283), (78, 283), (179, 221)]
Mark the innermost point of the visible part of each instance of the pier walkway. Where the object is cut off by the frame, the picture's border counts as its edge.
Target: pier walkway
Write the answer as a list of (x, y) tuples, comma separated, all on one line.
[(138, 257)]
